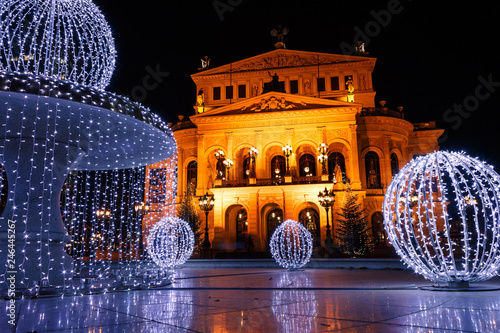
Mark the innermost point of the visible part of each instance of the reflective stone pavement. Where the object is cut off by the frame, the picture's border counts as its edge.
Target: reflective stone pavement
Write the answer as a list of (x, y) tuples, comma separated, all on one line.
[(269, 300)]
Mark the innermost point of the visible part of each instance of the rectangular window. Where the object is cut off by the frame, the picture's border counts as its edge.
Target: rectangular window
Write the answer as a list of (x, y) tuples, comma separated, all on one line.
[(321, 84), (216, 93), (348, 79), (242, 91), (335, 83), (229, 92), (294, 86)]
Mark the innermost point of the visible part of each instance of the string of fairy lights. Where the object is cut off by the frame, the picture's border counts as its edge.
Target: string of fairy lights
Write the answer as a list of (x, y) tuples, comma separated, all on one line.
[(61, 130), (442, 216), (171, 243), (291, 245)]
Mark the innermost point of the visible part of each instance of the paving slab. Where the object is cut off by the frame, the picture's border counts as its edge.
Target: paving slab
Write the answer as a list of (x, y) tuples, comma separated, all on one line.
[(268, 300)]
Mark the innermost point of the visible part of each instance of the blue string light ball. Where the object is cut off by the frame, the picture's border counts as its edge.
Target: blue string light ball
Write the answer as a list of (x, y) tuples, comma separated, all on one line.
[(170, 242), (291, 245), (442, 215)]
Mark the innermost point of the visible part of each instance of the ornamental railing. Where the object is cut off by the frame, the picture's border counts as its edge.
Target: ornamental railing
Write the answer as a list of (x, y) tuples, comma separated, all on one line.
[(235, 183), (270, 182), (307, 180)]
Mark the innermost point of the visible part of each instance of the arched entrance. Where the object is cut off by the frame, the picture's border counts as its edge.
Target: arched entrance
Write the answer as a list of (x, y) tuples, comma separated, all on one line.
[(237, 226), (378, 230), (241, 229), (309, 218), (273, 217)]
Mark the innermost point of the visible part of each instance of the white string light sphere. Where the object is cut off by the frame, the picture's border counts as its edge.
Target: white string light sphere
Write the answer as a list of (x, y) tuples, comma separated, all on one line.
[(171, 242), (291, 245), (441, 214), (62, 39)]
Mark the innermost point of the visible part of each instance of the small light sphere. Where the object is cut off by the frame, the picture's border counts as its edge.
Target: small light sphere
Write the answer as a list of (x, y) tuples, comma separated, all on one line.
[(171, 242), (291, 245), (442, 215)]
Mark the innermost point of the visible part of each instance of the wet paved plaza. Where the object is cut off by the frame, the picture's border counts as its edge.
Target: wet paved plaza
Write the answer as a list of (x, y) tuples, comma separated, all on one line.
[(269, 300)]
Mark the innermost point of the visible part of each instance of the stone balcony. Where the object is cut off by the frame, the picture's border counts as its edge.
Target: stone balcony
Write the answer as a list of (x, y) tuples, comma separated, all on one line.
[(219, 183)]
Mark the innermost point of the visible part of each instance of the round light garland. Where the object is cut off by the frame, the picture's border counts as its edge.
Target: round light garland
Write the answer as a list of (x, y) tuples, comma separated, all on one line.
[(63, 39), (170, 242), (441, 214), (291, 245)]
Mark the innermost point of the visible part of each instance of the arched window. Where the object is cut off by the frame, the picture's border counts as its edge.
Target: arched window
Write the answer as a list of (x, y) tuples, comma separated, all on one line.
[(278, 167), (241, 229), (310, 219), (372, 167), (273, 219), (378, 229), (246, 168), (221, 170), (336, 159), (192, 173), (307, 165), (394, 164)]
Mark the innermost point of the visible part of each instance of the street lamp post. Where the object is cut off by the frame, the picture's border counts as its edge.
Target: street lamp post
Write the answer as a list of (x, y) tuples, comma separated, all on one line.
[(220, 156), (323, 157), (206, 205), (326, 199), (287, 150), (229, 164)]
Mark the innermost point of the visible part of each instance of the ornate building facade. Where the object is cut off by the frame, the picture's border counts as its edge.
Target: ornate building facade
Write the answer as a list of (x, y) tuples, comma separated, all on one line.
[(264, 125)]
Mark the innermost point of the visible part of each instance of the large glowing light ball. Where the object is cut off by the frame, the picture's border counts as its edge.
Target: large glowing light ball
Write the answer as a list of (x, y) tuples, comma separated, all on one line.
[(62, 39), (171, 242), (441, 214), (291, 245)]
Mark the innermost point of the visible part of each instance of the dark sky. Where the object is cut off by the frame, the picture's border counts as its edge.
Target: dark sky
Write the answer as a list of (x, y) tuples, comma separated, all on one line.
[(430, 54)]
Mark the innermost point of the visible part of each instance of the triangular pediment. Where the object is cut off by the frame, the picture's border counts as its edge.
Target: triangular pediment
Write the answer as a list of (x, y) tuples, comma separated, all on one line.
[(284, 58), (277, 102)]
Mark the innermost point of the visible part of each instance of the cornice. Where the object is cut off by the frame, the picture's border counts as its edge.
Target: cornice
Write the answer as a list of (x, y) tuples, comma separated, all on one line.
[(272, 119), (185, 133), (428, 133), (381, 120), (283, 70)]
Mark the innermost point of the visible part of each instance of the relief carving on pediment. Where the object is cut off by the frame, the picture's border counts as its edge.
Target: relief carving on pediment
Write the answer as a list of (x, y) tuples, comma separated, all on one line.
[(282, 60), (273, 104)]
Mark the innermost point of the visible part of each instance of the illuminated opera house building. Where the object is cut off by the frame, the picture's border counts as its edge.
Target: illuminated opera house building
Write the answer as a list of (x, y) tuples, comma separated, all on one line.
[(272, 131)]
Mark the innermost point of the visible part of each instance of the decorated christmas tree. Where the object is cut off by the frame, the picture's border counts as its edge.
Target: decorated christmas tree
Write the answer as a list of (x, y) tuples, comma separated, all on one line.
[(353, 236), (188, 212)]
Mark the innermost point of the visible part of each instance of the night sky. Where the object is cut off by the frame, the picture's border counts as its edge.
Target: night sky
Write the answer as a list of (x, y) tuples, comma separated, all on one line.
[(430, 55)]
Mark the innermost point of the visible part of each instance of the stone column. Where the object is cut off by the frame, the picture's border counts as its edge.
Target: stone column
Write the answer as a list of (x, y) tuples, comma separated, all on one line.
[(386, 162), (253, 221), (202, 166), (355, 179), (260, 159), (288, 205), (216, 225), (230, 141), (182, 171)]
